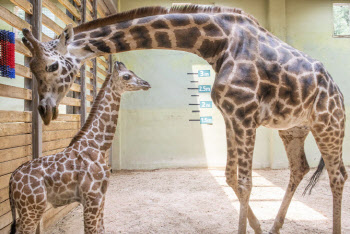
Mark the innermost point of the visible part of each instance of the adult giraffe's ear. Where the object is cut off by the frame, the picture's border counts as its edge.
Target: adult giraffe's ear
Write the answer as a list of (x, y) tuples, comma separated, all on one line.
[(65, 38)]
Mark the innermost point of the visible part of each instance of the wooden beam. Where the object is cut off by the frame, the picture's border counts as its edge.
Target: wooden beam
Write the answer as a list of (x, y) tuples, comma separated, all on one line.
[(75, 87), (45, 38), (14, 153), (15, 116), (13, 19), (58, 12), (71, 101), (89, 98), (68, 118), (52, 25), (20, 48), (102, 62), (15, 92), (15, 141), (56, 135), (36, 21), (8, 129), (4, 181), (51, 145), (99, 80), (24, 5), (71, 8), (10, 166), (89, 86), (54, 126), (23, 71), (101, 71)]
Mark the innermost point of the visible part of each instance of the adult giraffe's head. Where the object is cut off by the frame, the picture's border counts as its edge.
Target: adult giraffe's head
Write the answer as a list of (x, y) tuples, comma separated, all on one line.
[(54, 68)]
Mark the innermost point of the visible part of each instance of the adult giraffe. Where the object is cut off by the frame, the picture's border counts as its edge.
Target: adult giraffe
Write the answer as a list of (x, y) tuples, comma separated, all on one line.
[(260, 81)]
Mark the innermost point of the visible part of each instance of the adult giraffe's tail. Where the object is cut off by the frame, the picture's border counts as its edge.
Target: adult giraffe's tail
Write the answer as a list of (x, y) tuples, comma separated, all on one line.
[(13, 209), (315, 177)]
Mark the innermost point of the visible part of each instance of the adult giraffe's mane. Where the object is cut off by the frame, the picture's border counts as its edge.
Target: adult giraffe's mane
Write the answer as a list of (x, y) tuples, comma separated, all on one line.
[(92, 114), (157, 10)]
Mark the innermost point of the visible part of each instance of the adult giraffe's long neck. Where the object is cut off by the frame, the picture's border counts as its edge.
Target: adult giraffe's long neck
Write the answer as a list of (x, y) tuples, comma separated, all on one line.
[(100, 126), (203, 34)]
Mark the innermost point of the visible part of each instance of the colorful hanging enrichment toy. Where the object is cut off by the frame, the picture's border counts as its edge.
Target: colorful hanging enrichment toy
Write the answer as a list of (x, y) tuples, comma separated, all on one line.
[(7, 54)]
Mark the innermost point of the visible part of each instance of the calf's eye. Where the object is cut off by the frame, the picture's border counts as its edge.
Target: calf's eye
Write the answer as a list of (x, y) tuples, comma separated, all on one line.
[(126, 77)]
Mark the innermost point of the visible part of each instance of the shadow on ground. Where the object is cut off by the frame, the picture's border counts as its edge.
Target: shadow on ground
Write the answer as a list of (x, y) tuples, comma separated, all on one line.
[(199, 201)]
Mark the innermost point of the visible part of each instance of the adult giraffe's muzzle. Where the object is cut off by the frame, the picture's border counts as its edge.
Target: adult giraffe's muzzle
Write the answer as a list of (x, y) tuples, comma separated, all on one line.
[(48, 112)]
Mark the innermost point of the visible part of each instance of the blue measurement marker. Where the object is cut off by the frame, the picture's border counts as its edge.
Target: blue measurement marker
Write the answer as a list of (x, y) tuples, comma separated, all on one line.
[(203, 73), (204, 88), (206, 104), (206, 120)]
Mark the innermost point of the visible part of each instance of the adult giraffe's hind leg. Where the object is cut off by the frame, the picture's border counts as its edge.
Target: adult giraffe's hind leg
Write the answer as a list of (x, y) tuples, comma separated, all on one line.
[(329, 139), (293, 140)]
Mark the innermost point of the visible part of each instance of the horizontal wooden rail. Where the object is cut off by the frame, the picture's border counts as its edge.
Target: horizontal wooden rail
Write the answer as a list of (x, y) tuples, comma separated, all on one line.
[(75, 87), (13, 19), (88, 16), (15, 141), (89, 86), (4, 181), (71, 101), (101, 71), (14, 153), (24, 5), (54, 126), (23, 71), (8, 129), (15, 116), (56, 135), (51, 145), (52, 25), (89, 98), (71, 8), (58, 12), (67, 118), (102, 62), (10, 166), (15, 92), (99, 80), (20, 48)]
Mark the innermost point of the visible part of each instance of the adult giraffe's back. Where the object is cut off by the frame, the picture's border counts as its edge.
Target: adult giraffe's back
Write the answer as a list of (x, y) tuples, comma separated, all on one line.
[(260, 81)]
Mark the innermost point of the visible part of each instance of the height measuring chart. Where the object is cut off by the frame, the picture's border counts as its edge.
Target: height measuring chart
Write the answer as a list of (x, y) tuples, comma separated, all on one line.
[(200, 85)]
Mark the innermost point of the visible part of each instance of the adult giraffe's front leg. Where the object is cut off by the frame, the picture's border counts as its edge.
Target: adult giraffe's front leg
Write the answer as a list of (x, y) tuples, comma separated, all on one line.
[(293, 140), (231, 172)]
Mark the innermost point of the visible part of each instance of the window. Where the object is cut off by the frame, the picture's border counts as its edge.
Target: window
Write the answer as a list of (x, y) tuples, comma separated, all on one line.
[(341, 19)]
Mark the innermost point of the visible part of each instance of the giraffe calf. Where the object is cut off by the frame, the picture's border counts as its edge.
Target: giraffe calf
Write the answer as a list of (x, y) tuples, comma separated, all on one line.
[(79, 173)]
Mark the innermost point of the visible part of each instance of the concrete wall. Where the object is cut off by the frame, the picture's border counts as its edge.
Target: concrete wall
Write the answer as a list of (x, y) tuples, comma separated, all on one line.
[(154, 130)]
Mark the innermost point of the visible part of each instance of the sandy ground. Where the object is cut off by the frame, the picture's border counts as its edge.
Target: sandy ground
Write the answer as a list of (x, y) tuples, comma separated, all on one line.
[(199, 201)]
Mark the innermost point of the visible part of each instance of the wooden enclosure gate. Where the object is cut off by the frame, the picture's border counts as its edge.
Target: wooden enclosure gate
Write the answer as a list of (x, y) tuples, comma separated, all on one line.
[(22, 135)]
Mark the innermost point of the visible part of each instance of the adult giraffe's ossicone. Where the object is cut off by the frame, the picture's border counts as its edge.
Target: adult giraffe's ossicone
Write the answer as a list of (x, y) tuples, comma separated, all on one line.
[(260, 81)]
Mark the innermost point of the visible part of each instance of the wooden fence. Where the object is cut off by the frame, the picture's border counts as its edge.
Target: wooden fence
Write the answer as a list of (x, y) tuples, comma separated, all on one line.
[(22, 136)]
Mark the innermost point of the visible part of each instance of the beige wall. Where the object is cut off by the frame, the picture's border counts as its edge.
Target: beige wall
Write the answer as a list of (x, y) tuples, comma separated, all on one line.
[(154, 131)]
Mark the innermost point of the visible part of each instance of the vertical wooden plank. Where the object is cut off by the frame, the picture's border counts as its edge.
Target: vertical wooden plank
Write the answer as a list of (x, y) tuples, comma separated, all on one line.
[(82, 74), (36, 120), (94, 81)]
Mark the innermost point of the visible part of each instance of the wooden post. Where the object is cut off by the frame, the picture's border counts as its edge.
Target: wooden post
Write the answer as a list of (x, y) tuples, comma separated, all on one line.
[(82, 74), (35, 21), (94, 61), (36, 120)]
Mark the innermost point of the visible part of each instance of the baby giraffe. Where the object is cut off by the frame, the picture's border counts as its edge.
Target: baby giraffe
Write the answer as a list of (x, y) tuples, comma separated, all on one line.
[(79, 173)]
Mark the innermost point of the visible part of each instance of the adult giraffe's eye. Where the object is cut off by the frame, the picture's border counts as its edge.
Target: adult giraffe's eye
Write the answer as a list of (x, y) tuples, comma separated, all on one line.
[(53, 67), (126, 77)]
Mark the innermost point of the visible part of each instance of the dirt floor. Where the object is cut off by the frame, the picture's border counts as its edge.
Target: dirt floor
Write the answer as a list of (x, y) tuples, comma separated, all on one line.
[(199, 201)]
